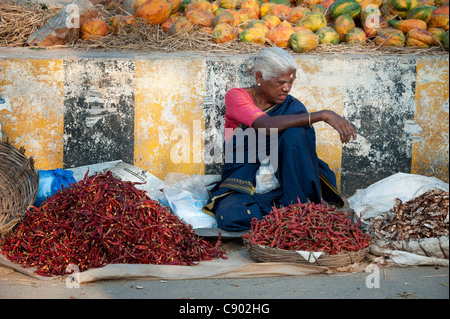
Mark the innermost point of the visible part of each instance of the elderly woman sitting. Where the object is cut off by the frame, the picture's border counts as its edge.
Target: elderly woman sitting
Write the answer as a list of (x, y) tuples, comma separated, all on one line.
[(265, 118)]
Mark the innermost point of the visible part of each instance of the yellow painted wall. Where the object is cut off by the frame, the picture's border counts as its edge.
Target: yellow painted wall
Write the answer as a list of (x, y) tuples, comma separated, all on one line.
[(169, 116), (430, 153), (33, 115)]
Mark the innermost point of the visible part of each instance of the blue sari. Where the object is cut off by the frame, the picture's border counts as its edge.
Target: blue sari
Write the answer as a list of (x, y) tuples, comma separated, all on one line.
[(302, 175)]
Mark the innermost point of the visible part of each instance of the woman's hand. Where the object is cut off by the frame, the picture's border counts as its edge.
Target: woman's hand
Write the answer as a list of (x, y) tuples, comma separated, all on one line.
[(344, 128)]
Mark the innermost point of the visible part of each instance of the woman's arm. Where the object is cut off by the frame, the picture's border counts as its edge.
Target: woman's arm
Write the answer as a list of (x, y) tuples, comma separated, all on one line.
[(283, 122)]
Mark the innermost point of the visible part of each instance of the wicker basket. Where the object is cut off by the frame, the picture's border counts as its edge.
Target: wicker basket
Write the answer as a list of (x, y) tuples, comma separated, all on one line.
[(19, 183), (268, 254)]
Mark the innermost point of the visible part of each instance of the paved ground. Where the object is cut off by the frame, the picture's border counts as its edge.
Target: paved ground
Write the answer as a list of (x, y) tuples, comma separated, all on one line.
[(394, 283)]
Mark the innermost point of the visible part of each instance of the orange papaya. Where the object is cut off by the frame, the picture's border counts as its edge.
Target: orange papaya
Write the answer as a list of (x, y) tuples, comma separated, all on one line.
[(437, 34), (439, 20), (280, 35), (390, 37), (224, 32), (200, 17), (297, 13), (408, 24), (223, 17), (355, 36), (343, 24), (281, 11), (253, 35), (419, 38), (271, 21), (154, 11)]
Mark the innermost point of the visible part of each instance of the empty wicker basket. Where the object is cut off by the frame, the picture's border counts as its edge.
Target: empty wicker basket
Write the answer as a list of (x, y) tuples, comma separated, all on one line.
[(19, 183)]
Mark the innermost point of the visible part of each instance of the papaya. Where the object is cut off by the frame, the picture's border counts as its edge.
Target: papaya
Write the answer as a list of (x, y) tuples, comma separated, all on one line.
[(390, 37), (304, 41), (403, 5), (271, 21), (365, 3), (419, 38), (442, 9), (181, 26), (327, 35), (175, 5), (281, 11), (93, 28), (253, 35), (297, 13), (171, 20), (437, 34), (343, 24), (326, 3), (202, 5), (320, 9), (137, 4), (223, 17), (285, 2), (373, 24), (224, 32), (247, 14), (200, 17), (370, 10), (265, 8), (439, 20), (257, 24), (236, 15), (340, 7), (313, 21), (280, 35), (445, 39), (252, 4), (408, 24), (355, 36), (114, 23), (154, 11), (310, 3), (230, 4), (422, 12)]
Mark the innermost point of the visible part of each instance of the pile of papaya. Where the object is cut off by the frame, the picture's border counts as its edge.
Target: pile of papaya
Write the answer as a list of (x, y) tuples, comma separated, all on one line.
[(302, 25)]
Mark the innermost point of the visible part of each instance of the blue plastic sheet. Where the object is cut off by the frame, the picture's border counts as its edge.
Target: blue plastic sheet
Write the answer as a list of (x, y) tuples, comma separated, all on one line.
[(50, 181)]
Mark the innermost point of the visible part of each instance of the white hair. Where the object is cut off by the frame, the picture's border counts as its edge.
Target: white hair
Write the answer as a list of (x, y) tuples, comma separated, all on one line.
[(271, 62)]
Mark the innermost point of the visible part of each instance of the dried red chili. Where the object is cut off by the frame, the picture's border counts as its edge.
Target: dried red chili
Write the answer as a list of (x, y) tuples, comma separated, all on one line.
[(103, 220), (309, 227)]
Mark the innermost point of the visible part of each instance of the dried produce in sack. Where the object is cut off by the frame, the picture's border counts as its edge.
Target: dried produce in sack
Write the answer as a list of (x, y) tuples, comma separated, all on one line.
[(415, 232), (103, 220)]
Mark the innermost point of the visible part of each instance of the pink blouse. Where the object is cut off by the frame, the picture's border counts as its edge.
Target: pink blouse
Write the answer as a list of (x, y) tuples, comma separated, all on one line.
[(240, 109)]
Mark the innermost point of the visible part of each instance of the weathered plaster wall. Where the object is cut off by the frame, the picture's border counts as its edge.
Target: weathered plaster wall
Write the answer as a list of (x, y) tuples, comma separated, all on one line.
[(164, 112)]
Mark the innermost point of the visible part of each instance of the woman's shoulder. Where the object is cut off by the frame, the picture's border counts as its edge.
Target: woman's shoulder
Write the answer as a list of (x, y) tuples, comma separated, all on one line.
[(238, 91)]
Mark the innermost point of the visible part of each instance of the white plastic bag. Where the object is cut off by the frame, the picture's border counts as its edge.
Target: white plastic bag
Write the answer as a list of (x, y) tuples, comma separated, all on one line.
[(186, 196), (265, 178), (380, 197)]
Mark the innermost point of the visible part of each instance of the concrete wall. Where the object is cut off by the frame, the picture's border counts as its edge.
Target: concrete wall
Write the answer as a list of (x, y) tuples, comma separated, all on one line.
[(164, 112)]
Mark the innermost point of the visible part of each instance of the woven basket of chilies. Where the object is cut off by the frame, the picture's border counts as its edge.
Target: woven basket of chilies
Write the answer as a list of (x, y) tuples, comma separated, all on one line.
[(19, 183), (310, 234)]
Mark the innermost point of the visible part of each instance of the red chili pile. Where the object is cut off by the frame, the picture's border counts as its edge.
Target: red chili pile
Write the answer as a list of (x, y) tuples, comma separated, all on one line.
[(103, 220), (308, 227)]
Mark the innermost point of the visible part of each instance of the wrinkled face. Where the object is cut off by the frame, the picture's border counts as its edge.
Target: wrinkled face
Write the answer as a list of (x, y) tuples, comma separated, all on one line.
[(276, 89)]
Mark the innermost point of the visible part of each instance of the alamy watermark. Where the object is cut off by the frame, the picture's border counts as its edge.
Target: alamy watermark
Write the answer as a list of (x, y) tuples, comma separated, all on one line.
[(73, 19)]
